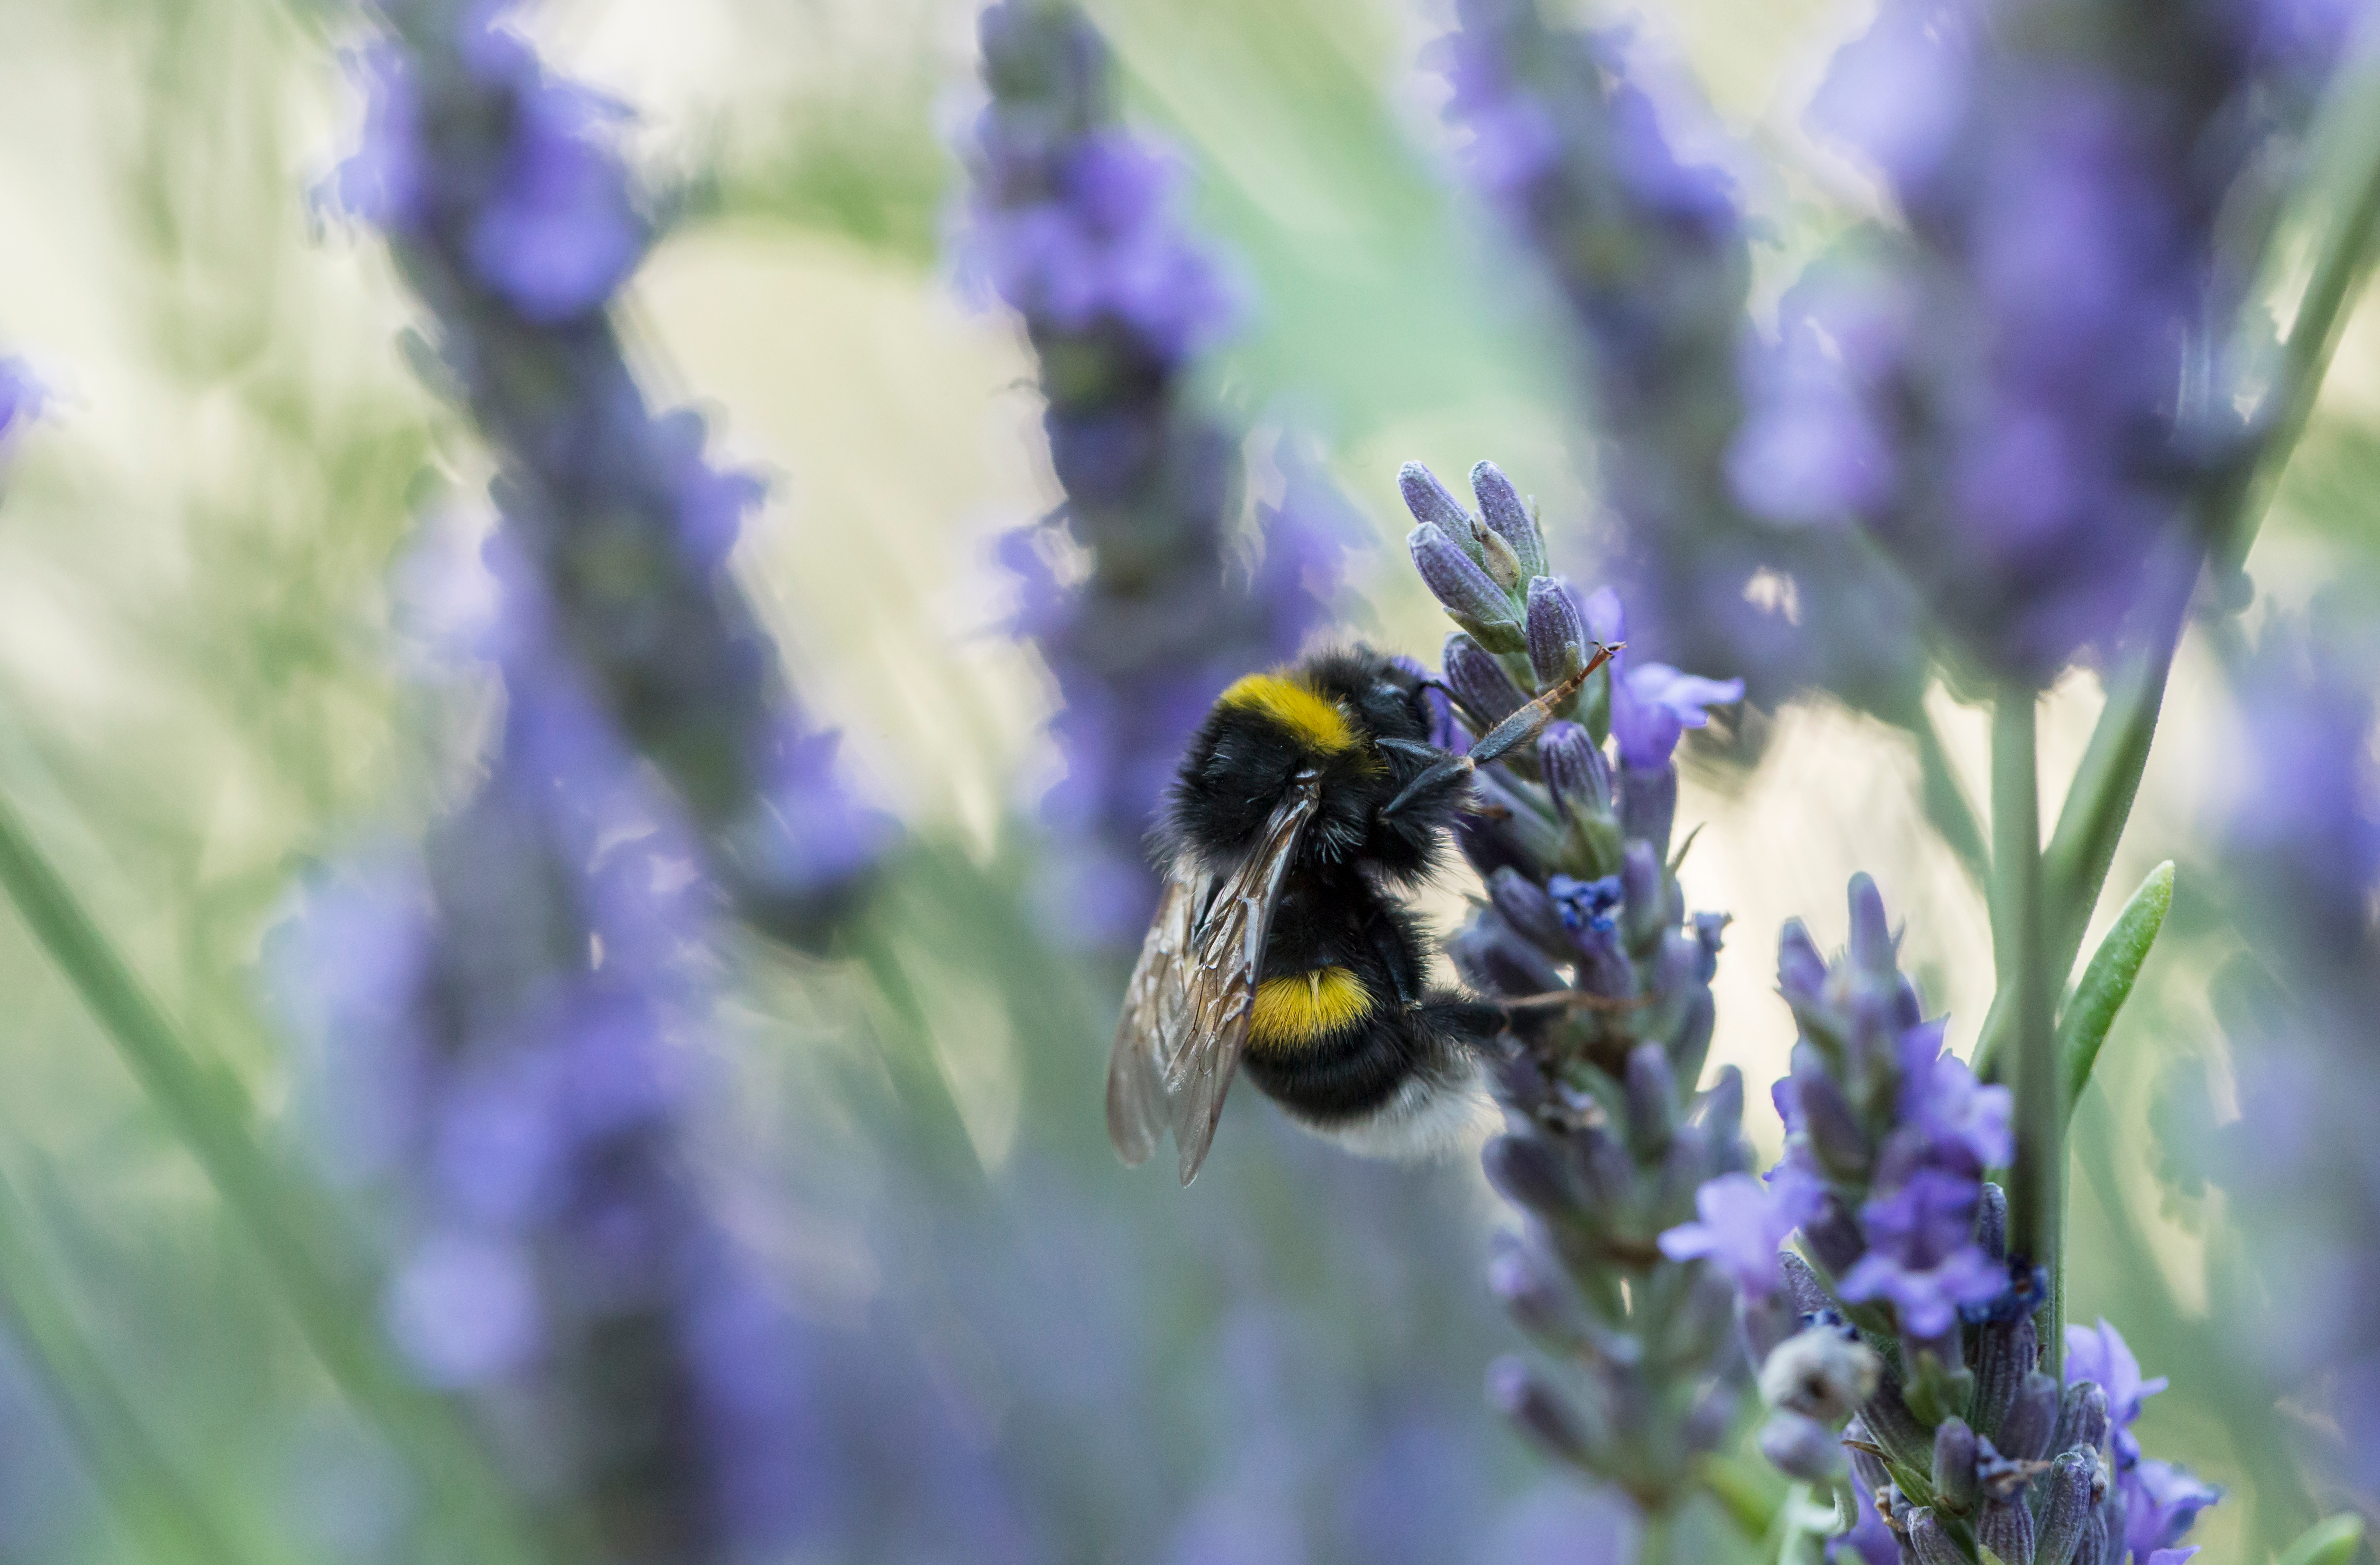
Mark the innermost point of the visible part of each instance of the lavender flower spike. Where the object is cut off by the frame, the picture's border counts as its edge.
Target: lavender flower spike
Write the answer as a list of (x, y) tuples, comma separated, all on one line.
[(1605, 1176), (1992, 399), (1074, 221), (512, 217), (1650, 252)]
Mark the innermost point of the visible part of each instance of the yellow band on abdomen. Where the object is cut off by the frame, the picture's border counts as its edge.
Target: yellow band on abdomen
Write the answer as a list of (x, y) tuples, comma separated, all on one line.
[(1305, 1007)]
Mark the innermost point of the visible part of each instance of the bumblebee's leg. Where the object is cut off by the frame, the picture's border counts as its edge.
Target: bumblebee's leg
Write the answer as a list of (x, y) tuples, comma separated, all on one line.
[(1448, 1015), (1392, 940)]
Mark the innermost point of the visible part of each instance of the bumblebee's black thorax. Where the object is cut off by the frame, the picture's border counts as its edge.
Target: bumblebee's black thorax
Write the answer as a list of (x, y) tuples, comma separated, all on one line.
[(1325, 715)]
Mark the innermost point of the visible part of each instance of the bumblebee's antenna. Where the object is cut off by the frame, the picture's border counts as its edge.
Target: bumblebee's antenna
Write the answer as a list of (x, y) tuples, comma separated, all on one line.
[(1519, 729)]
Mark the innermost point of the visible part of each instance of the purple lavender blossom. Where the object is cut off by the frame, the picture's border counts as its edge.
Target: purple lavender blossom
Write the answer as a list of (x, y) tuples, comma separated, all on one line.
[(1996, 392), (2157, 1500), (1652, 703), (1740, 1225), (2099, 1355), (2298, 826), (1074, 221), (1651, 255), (512, 216), (1922, 1254), (1888, 1126)]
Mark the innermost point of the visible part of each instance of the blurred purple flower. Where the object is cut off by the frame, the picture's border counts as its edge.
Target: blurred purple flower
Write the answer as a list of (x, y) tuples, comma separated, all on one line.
[(1074, 221), (1104, 242), (2099, 1355), (1650, 251), (22, 397), (513, 217), (1740, 1224), (2161, 1502), (2001, 392)]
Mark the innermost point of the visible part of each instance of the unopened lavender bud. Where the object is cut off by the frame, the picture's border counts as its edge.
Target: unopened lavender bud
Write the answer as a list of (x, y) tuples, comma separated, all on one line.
[(1465, 590), (2006, 1351), (1897, 1429), (1956, 1486), (1557, 635), (2024, 1433), (1827, 1123), (1719, 1109), (1652, 1100), (1575, 769), (2006, 1528), (1480, 681), (1529, 1173), (1495, 961), (1770, 1322), (1648, 804), (1822, 1374), (2066, 1508), (1871, 945), (2081, 1419), (1643, 897), (1521, 1080), (1514, 1390), (1810, 1296), (1834, 1235), (1930, 1542), (1527, 908), (1801, 969), (1430, 504), (1801, 1447), (2101, 1545), (1507, 517), (1530, 1291), (1709, 1421), (1991, 1224)]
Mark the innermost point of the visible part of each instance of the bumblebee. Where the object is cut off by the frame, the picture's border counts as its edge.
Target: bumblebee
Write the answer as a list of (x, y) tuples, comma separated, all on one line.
[(1308, 801)]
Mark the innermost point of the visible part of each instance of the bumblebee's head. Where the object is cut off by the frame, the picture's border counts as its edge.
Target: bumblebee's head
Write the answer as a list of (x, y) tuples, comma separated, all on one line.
[(1337, 703)]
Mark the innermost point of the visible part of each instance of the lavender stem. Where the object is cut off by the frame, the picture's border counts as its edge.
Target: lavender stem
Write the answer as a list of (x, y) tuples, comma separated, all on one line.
[(2020, 942)]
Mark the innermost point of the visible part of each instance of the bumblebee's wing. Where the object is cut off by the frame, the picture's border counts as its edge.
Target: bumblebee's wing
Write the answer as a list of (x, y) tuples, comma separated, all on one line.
[(1199, 1062), (1156, 1008)]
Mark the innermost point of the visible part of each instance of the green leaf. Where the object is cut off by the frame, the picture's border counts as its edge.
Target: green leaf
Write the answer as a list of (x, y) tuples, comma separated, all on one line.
[(2329, 1542), (2108, 982)]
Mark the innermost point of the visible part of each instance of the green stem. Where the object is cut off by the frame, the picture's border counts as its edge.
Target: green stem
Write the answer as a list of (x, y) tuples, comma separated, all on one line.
[(2021, 934), (207, 1109), (1946, 802), (141, 1484)]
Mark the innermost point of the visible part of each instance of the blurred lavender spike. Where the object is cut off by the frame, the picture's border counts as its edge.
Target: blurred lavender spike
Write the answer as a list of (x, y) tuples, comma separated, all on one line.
[(1072, 220), (1651, 255), (2023, 390), (513, 219), (2299, 828)]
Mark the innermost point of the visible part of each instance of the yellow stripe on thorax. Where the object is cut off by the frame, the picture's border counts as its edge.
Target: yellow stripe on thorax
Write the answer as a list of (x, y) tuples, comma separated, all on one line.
[(1314, 717), (1305, 1007)]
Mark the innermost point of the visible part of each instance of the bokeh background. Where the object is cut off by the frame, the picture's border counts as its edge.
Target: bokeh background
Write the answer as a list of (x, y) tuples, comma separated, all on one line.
[(224, 554)]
